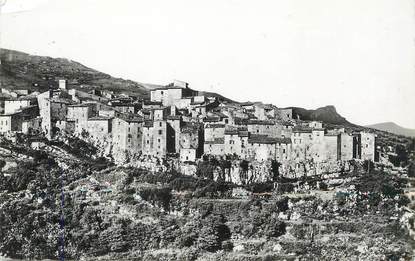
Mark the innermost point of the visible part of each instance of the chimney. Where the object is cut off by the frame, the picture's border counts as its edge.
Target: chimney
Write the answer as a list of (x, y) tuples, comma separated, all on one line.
[(62, 84)]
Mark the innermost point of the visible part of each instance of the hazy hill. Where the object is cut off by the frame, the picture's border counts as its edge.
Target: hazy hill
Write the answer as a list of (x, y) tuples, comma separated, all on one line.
[(326, 114), (393, 128)]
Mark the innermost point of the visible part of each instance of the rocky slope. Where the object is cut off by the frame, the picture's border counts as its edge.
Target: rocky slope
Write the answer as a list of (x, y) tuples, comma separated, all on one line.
[(394, 128)]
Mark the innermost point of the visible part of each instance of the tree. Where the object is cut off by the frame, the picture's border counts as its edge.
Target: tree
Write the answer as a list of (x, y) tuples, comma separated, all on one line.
[(275, 165)]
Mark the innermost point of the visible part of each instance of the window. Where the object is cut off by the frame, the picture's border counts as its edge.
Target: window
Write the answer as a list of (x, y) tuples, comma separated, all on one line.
[(187, 158), (159, 140), (128, 129), (160, 132), (283, 150), (161, 124), (257, 131), (162, 92), (129, 140), (148, 141)]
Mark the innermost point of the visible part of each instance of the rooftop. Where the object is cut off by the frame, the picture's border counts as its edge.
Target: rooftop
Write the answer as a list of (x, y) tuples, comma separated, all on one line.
[(262, 139), (216, 141)]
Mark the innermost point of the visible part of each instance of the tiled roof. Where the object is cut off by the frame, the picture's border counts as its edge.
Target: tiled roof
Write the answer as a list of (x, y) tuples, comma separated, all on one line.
[(211, 119), (302, 129), (260, 122), (262, 139), (215, 126), (99, 118), (216, 141), (284, 140), (61, 100), (130, 117), (175, 117), (79, 105)]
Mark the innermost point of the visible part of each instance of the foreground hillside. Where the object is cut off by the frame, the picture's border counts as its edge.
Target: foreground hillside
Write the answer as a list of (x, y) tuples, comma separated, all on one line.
[(125, 213)]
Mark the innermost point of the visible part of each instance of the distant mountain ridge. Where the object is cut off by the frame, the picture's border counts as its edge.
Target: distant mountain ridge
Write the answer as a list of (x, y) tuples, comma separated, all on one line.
[(393, 128)]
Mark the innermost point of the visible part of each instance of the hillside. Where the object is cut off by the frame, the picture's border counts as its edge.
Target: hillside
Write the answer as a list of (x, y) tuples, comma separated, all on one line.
[(22, 70), (393, 128), (327, 114)]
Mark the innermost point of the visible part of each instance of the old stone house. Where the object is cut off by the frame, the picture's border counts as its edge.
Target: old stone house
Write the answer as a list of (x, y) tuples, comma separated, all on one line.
[(127, 134)]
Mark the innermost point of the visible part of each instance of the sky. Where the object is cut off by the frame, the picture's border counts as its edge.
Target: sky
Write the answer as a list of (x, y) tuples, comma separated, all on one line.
[(358, 55)]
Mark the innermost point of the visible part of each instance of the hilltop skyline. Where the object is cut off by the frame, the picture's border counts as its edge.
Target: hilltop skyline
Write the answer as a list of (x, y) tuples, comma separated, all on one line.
[(296, 54)]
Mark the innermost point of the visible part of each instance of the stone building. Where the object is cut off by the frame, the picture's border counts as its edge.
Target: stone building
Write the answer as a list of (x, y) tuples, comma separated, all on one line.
[(127, 134), (12, 105), (268, 128), (187, 154), (284, 114), (32, 125), (11, 122), (364, 146), (172, 93), (80, 113), (283, 150), (127, 107), (155, 138), (99, 127), (345, 146), (17, 121), (236, 142), (214, 131), (191, 138), (331, 148), (53, 107), (80, 96), (261, 147), (301, 144), (215, 147)]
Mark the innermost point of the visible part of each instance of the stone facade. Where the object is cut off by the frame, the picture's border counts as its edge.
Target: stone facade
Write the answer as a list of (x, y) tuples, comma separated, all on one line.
[(127, 135)]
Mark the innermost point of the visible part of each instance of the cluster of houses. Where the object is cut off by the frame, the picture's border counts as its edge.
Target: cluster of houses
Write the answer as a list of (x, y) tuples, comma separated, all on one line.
[(181, 122)]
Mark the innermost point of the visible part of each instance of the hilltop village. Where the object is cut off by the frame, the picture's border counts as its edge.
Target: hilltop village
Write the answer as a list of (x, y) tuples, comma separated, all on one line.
[(186, 175), (180, 122)]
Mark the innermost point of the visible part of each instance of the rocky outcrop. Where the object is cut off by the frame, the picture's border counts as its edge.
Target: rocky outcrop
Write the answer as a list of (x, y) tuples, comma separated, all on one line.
[(327, 114)]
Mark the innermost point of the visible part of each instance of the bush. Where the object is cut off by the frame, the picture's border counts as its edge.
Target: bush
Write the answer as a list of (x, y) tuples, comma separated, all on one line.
[(157, 196)]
